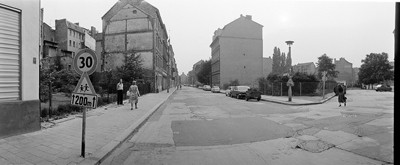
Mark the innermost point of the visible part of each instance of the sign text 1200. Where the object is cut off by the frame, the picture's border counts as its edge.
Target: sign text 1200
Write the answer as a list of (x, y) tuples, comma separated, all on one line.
[(84, 100)]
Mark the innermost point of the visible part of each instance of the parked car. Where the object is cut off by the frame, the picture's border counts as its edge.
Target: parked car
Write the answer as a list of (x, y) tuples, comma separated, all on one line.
[(200, 87), (253, 93), (380, 88), (228, 91), (207, 88), (239, 91), (215, 89)]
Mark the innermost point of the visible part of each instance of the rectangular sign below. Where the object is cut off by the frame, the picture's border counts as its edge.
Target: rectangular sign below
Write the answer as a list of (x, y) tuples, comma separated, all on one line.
[(84, 100)]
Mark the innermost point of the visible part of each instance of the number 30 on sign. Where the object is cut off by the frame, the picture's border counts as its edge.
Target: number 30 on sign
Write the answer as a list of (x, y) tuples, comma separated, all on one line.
[(84, 100)]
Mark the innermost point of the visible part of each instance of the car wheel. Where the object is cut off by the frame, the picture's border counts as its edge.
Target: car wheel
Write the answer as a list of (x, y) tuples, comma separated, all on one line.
[(247, 99), (258, 99)]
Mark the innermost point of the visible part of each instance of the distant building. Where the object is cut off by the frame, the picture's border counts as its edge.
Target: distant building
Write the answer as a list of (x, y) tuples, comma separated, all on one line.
[(64, 42), (346, 72), (237, 52), (184, 78), (267, 66), (19, 67), (308, 68), (196, 70), (135, 27), (355, 71)]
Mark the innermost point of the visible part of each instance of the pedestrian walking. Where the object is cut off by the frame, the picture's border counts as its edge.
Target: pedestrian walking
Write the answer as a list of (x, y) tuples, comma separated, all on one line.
[(341, 96), (133, 94), (120, 87)]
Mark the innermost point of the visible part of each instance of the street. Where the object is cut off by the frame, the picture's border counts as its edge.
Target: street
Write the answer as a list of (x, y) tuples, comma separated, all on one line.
[(199, 127)]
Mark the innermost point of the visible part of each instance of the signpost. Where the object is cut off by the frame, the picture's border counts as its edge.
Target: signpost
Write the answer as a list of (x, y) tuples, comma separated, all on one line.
[(84, 63)]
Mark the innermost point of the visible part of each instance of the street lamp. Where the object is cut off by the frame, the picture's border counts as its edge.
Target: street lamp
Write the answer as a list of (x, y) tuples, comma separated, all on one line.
[(290, 82)]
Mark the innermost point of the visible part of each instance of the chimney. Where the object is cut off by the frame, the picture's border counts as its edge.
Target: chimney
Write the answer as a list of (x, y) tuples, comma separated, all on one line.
[(248, 17), (92, 31)]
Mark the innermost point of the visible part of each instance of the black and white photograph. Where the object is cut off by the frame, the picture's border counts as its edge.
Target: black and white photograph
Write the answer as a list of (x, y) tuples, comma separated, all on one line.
[(194, 82)]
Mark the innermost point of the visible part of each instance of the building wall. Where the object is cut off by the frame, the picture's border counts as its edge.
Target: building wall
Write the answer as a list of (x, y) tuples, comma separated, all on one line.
[(241, 59), (345, 69), (135, 27), (267, 66), (23, 115), (237, 51)]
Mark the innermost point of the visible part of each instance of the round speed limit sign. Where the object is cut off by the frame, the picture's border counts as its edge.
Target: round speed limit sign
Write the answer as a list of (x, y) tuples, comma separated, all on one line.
[(85, 61)]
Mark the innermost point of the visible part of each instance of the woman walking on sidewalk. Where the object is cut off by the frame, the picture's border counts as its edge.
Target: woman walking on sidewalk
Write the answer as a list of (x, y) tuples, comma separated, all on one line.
[(133, 94)]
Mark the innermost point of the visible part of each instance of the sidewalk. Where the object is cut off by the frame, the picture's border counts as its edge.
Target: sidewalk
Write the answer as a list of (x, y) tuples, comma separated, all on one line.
[(296, 100), (106, 128)]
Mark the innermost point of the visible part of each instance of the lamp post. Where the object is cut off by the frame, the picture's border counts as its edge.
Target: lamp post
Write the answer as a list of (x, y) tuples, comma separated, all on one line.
[(290, 82)]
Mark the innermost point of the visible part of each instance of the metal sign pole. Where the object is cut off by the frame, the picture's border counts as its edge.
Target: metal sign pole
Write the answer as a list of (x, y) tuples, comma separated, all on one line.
[(83, 132)]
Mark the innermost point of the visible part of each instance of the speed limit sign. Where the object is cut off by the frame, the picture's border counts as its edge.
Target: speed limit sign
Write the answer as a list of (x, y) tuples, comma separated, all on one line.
[(85, 61)]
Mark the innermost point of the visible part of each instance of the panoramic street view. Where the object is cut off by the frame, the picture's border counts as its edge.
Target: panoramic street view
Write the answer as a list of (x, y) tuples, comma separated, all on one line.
[(181, 82)]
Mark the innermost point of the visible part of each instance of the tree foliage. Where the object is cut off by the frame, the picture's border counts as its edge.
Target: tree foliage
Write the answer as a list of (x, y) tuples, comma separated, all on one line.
[(325, 63), (375, 69), (131, 69), (280, 63), (204, 75)]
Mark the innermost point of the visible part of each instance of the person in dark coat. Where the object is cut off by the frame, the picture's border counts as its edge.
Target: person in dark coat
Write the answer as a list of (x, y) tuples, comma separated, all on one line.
[(120, 87), (341, 97)]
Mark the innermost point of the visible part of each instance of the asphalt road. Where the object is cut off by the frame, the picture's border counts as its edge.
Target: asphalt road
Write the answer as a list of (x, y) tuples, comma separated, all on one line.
[(200, 127)]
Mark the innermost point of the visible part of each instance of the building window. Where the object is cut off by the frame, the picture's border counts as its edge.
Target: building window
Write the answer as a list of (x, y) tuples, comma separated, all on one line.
[(70, 42), (73, 44), (134, 11), (10, 73)]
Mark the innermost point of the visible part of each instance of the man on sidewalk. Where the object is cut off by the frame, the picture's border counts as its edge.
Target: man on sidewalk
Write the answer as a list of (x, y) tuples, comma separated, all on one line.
[(120, 87)]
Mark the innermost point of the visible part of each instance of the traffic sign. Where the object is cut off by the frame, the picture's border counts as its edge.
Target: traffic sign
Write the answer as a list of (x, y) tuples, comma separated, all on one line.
[(85, 61), (84, 85), (84, 100)]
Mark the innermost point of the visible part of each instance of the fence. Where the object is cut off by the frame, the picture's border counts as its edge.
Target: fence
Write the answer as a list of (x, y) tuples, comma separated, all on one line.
[(299, 88)]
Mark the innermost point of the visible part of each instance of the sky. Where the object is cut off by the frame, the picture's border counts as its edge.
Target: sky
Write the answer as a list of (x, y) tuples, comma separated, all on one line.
[(348, 29)]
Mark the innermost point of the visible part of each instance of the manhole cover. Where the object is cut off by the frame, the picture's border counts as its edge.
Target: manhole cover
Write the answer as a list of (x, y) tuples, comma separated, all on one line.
[(315, 146)]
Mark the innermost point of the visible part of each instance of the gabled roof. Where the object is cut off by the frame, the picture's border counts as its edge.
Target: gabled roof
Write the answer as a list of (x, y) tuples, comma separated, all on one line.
[(247, 18), (142, 5)]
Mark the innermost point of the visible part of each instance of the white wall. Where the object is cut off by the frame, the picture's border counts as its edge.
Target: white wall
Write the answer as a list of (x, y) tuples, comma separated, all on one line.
[(30, 16)]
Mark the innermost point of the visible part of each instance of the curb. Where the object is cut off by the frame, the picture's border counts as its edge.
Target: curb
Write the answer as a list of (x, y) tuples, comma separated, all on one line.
[(106, 150), (299, 104)]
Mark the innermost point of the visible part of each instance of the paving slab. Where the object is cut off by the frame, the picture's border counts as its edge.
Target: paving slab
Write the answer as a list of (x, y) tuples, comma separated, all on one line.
[(335, 137)]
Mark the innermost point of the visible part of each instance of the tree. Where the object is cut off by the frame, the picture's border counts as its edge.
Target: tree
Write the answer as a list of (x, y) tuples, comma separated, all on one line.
[(130, 70), (276, 61), (325, 64), (375, 69), (204, 75), (280, 64)]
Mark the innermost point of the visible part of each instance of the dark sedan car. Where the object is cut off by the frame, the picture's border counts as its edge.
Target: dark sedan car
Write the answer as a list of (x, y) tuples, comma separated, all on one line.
[(239, 91), (381, 88), (253, 94)]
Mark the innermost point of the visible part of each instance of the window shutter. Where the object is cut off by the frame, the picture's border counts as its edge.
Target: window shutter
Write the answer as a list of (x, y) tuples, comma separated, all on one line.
[(9, 54)]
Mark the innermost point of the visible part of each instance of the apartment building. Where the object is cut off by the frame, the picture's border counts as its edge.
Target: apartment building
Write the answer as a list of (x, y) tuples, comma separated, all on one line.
[(64, 42), (135, 27), (346, 72), (237, 52), (308, 68)]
